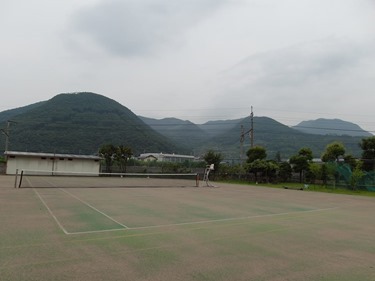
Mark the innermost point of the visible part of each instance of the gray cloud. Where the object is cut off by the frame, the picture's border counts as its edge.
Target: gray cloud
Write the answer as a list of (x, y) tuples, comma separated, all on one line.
[(298, 64), (137, 28), (325, 73)]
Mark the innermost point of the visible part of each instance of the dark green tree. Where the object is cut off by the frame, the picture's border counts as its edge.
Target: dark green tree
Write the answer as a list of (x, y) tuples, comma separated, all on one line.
[(108, 152), (324, 173), (285, 171), (300, 162), (368, 153), (351, 161), (356, 175), (271, 171), (212, 157), (256, 153), (122, 155), (333, 152), (257, 166), (314, 172)]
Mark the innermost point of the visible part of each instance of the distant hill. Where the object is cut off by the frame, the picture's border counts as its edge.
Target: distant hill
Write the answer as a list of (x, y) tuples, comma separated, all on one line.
[(276, 137), (215, 128), (179, 131), (331, 127), (80, 123), (272, 135)]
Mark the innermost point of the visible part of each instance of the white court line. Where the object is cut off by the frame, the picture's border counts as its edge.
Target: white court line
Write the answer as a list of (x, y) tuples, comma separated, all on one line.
[(49, 210), (82, 232), (61, 226), (92, 207), (206, 221), (232, 219), (163, 225), (98, 231)]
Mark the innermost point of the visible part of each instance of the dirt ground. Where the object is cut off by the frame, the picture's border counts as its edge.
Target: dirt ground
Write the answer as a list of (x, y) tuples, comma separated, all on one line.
[(232, 232)]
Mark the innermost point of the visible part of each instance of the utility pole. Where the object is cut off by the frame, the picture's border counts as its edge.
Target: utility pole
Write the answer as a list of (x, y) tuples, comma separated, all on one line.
[(250, 132), (6, 133), (252, 128), (242, 138)]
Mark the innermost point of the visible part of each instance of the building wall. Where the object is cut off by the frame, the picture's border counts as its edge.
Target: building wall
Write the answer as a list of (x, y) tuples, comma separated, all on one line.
[(50, 164)]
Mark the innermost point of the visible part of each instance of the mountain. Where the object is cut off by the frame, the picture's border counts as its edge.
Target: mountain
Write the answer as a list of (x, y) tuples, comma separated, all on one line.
[(179, 131), (224, 136), (331, 127), (215, 128), (9, 114), (80, 123), (272, 135), (277, 138)]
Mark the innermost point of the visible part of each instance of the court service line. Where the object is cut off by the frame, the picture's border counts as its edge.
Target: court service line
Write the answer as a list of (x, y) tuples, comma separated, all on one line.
[(205, 221), (98, 231), (232, 219), (92, 207), (51, 213)]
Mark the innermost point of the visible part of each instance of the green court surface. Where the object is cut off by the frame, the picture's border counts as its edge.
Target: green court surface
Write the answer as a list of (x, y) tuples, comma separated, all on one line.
[(230, 232)]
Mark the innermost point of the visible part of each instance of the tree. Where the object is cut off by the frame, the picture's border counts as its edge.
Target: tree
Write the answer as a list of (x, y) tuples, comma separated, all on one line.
[(314, 172), (357, 174), (108, 152), (333, 152), (228, 171), (257, 166), (285, 171), (351, 161), (256, 161), (122, 155), (368, 153), (300, 162), (324, 173), (211, 157), (271, 170), (256, 153)]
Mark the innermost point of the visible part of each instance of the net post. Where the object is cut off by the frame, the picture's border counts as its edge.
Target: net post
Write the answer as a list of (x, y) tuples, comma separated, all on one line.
[(19, 185), (16, 179), (197, 180)]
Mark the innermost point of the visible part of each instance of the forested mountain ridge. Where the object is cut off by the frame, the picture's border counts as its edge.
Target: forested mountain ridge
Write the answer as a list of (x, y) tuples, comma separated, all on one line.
[(280, 139), (182, 132), (277, 138), (337, 127), (80, 123), (9, 114)]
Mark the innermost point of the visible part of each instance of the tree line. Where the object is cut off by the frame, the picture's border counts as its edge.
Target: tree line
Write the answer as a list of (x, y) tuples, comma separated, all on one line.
[(259, 169)]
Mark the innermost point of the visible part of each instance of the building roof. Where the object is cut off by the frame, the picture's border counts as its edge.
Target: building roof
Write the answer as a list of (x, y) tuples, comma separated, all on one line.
[(165, 155), (58, 155)]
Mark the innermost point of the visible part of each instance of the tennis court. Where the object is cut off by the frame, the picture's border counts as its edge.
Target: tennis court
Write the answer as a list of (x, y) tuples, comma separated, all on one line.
[(230, 232)]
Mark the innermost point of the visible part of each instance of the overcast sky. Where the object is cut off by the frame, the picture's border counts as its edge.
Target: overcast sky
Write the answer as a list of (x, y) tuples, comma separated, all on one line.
[(197, 60)]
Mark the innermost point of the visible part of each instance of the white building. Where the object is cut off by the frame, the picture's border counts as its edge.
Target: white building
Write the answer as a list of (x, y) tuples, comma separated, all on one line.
[(165, 157), (50, 162)]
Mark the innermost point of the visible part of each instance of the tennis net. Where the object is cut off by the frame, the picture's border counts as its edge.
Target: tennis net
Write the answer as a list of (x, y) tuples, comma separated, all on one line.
[(49, 179)]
